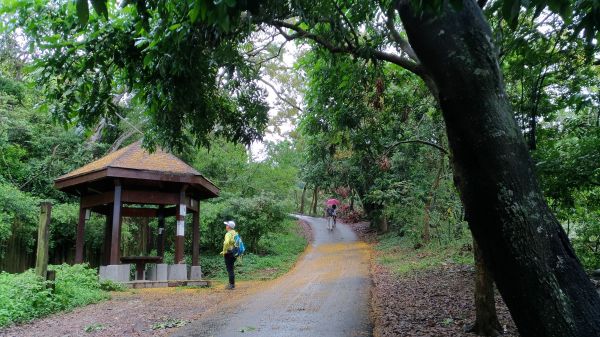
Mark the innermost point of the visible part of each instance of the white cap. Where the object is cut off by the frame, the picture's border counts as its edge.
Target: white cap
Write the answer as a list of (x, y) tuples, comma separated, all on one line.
[(230, 223)]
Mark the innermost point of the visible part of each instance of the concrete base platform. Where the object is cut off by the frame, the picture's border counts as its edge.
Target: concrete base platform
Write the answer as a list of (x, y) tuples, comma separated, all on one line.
[(157, 272), (195, 273), (115, 272), (177, 272), (159, 284)]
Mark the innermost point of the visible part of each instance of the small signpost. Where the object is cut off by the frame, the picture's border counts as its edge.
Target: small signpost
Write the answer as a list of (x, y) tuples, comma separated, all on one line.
[(41, 260)]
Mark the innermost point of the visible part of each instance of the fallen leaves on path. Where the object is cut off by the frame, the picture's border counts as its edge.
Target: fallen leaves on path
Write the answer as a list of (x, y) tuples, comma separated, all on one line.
[(144, 312), (434, 302)]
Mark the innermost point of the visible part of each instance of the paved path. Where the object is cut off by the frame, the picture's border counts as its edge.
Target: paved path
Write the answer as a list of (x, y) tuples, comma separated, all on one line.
[(326, 294)]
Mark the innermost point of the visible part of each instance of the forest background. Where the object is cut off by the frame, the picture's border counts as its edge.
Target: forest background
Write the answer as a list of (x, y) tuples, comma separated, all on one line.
[(379, 147)]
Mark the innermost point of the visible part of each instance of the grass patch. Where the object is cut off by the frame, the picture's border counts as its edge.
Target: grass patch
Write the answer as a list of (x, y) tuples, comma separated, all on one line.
[(279, 253), (399, 255), (168, 324), (94, 327), (26, 296)]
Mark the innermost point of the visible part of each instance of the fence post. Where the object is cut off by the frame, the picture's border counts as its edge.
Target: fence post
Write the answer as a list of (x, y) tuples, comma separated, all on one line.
[(41, 260)]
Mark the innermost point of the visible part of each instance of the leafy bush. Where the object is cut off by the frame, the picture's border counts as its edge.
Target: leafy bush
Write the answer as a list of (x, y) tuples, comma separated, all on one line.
[(281, 252), (26, 296), (256, 216), (23, 297), (108, 285), (584, 227), (76, 285)]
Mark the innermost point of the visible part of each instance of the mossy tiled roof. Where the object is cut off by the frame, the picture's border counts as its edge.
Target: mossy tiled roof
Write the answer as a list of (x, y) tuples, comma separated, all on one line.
[(134, 157)]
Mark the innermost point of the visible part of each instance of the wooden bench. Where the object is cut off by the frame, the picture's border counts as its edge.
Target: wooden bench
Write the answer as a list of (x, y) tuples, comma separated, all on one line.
[(140, 263)]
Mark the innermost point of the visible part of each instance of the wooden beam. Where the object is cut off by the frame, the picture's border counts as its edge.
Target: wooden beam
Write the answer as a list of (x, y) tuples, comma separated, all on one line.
[(115, 243), (41, 260), (150, 197), (136, 212), (80, 237), (196, 237), (165, 176), (77, 180), (93, 200)]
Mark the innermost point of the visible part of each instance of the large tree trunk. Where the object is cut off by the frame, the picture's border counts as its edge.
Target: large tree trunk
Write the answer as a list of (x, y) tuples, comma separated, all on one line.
[(430, 201), (486, 320), (528, 252), (302, 198), (315, 200)]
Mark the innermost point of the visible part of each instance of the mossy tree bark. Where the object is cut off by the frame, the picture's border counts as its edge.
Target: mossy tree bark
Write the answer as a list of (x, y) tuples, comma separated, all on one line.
[(486, 319)]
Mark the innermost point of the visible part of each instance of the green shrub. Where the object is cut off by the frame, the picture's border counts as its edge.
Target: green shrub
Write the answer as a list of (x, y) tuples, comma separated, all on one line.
[(26, 296), (108, 285), (584, 228), (23, 297), (280, 252), (256, 216)]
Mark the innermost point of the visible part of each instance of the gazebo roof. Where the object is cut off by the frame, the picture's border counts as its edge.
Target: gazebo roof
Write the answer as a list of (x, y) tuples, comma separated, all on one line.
[(134, 162)]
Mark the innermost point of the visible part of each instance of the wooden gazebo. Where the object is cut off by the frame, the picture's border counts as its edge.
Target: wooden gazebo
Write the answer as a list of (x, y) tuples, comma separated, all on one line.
[(132, 182)]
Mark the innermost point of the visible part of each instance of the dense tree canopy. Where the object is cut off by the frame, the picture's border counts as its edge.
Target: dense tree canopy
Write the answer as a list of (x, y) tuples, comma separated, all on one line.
[(393, 89)]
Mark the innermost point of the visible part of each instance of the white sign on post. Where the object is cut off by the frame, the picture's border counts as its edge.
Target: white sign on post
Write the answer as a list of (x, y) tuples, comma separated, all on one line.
[(180, 227)]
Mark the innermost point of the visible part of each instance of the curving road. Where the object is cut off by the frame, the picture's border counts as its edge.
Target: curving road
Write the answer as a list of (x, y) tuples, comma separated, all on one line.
[(326, 294)]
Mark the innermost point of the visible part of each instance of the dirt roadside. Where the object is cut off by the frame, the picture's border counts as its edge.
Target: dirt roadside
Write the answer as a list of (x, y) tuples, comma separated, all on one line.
[(436, 302)]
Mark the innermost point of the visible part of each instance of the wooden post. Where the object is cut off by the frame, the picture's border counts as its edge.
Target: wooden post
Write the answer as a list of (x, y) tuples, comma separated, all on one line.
[(107, 238), (80, 236), (41, 261), (151, 238), (143, 236), (180, 230), (160, 238), (196, 236), (115, 244)]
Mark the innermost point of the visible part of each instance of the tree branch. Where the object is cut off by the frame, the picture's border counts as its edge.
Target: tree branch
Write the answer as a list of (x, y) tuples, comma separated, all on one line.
[(279, 95), (350, 27), (267, 59), (402, 43), (424, 142), (359, 51)]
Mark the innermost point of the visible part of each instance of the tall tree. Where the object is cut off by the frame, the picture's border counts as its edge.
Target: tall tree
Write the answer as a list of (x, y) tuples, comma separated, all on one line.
[(522, 242)]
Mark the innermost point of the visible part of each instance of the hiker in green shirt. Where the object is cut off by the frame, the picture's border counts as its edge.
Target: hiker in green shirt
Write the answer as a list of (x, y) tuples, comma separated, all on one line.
[(228, 245)]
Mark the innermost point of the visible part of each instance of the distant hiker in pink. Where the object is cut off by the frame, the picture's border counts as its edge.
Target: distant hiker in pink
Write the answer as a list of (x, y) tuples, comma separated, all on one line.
[(331, 216)]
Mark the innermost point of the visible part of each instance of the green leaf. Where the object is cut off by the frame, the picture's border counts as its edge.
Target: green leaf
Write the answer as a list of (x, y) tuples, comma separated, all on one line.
[(100, 8), (510, 12), (175, 26), (83, 11), (203, 9), (147, 59), (194, 12)]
